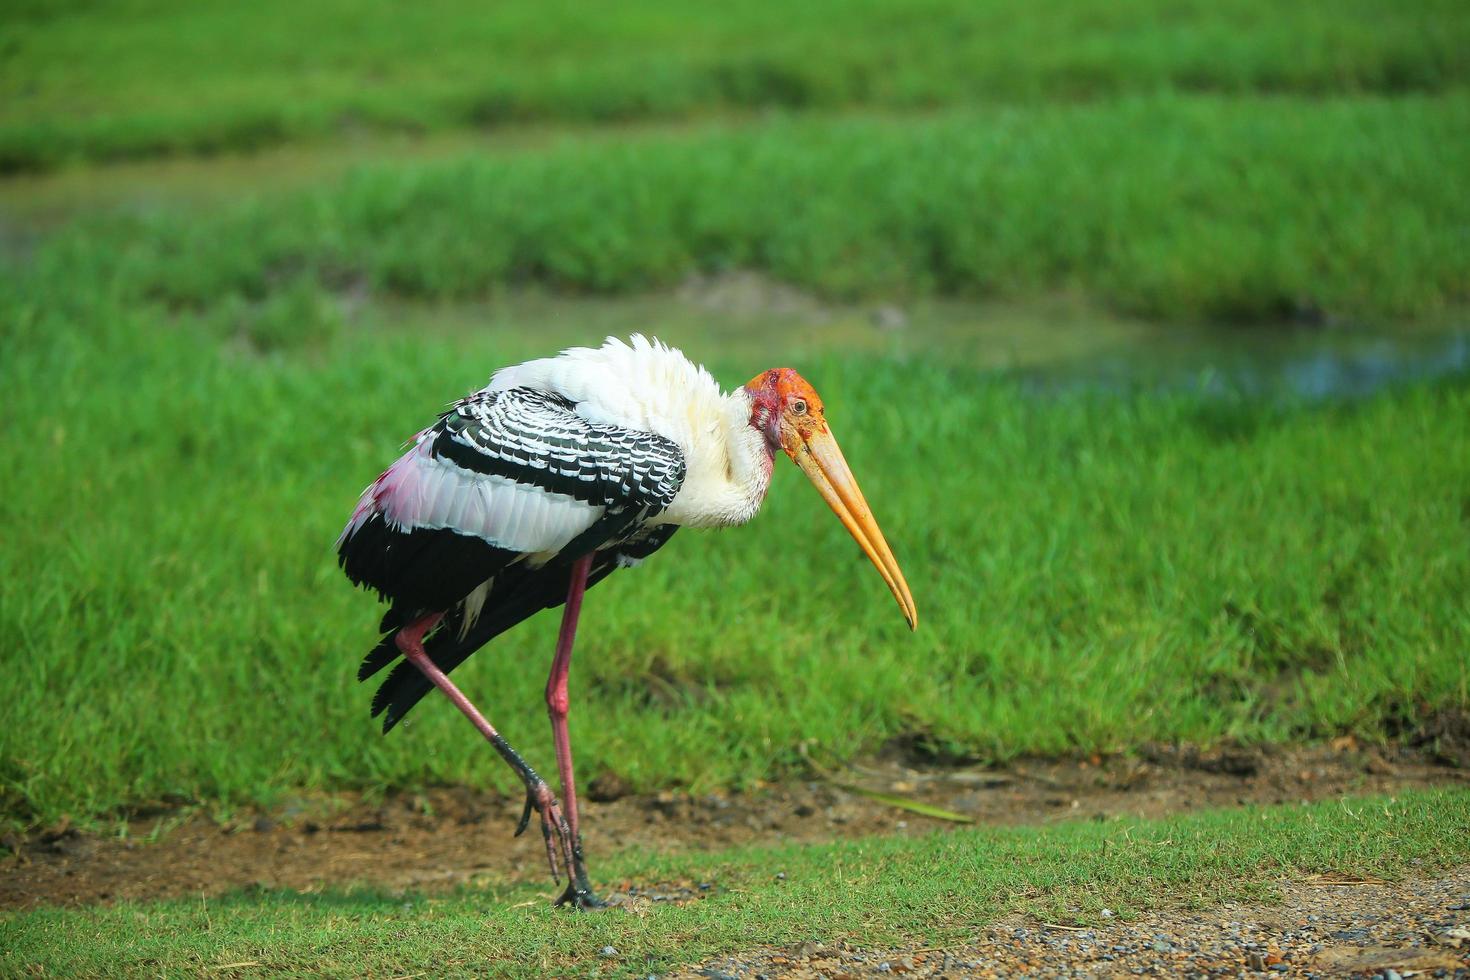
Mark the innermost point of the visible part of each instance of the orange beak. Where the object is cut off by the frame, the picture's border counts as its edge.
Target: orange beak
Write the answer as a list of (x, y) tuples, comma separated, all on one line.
[(822, 461)]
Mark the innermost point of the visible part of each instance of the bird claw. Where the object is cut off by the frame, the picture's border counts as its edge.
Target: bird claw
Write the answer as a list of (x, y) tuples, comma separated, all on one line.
[(525, 820), (554, 829)]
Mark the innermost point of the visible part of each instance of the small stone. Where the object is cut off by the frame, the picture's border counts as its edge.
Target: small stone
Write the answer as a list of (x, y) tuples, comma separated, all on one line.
[(608, 951), (885, 967), (1392, 975), (1106, 913)]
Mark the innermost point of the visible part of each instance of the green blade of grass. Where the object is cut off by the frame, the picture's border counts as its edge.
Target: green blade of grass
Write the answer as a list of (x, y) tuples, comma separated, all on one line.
[(905, 803)]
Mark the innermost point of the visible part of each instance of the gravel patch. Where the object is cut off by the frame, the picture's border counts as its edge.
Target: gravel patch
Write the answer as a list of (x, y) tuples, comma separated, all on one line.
[(1327, 926)]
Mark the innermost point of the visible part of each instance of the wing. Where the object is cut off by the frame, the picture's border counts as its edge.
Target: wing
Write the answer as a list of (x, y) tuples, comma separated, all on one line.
[(502, 477), (482, 518)]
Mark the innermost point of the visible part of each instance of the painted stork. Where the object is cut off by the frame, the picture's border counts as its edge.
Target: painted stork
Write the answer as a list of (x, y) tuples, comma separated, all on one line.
[(537, 486)]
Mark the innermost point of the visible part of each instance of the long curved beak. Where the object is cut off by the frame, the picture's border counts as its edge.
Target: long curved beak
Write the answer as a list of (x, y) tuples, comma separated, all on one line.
[(822, 461)]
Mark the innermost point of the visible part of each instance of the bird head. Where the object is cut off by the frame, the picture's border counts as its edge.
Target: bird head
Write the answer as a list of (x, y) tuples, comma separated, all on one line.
[(790, 414)]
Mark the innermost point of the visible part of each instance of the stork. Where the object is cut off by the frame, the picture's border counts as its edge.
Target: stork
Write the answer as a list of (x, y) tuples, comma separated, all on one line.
[(536, 487)]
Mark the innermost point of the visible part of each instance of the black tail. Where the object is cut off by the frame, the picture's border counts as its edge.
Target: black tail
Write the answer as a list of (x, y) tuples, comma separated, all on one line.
[(518, 593)]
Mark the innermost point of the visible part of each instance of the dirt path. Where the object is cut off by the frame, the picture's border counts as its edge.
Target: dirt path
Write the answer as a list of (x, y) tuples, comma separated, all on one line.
[(445, 838), (1323, 926)]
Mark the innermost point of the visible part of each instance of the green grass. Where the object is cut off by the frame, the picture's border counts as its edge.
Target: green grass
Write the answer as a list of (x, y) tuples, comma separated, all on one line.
[(144, 78), (1224, 209), (1092, 571), (928, 891)]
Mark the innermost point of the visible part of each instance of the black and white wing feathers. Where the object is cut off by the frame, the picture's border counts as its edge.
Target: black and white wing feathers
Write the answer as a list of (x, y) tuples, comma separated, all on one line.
[(482, 518), (510, 476), (536, 438)]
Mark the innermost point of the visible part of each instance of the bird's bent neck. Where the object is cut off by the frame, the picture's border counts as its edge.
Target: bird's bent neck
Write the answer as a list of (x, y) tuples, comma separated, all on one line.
[(729, 470)]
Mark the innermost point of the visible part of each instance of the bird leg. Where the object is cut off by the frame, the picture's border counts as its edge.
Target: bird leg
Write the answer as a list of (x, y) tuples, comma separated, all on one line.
[(538, 795), (579, 890)]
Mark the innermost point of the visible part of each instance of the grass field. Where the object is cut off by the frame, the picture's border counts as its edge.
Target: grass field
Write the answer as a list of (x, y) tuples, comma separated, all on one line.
[(145, 78), (1273, 210), (1094, 570), (927, 891)]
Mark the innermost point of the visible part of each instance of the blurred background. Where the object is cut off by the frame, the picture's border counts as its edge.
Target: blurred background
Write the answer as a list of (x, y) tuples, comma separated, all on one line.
[(1144, 325)]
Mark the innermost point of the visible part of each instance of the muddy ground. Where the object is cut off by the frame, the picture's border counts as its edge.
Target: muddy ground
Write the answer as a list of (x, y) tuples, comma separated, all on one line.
[(445, 838)]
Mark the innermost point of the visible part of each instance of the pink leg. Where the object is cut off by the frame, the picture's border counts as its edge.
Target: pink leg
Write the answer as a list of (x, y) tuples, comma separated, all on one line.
[(538, 794), (558, 703)]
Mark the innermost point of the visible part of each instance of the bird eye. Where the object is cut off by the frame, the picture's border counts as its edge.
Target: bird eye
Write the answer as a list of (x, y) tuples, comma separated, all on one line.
[(798, 407)]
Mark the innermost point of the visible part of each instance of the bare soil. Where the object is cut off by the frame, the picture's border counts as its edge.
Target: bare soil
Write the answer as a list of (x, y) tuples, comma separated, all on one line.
[(449, 837)]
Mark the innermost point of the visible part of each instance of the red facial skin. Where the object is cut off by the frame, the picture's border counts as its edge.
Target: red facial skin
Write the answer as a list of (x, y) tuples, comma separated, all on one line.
[(785, 409)]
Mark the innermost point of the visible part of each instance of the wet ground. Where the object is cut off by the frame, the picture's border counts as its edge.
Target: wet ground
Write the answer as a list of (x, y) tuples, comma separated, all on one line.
[(1049, 344), (447, 838)]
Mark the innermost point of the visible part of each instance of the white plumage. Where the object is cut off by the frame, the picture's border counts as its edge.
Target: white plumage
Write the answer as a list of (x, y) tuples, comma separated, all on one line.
[(427, 492)]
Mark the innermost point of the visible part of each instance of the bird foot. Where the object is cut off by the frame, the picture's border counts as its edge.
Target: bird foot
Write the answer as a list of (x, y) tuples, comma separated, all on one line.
[(559, 843), (580, 897)]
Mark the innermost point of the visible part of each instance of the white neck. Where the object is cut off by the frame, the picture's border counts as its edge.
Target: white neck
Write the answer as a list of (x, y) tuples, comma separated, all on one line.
[(729, 471)]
